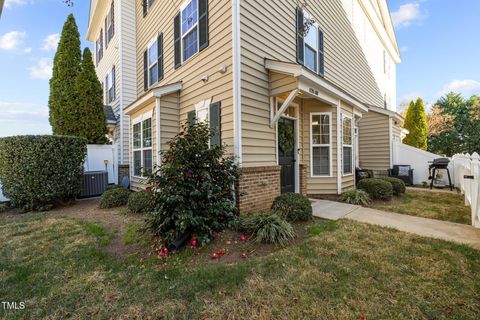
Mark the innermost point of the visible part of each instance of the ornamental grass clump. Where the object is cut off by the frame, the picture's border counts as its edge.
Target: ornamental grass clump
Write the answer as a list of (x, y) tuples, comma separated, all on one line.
[(356, 197), (37, 172), (193, 190), (268, 227)]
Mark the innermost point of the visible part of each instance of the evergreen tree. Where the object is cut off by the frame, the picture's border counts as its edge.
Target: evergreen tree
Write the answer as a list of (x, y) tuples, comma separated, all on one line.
[(66, 67), (90, 123), (416, 123)]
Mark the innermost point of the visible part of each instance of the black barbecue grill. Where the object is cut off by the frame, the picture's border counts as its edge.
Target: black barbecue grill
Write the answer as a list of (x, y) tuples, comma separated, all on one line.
[(435, 166)]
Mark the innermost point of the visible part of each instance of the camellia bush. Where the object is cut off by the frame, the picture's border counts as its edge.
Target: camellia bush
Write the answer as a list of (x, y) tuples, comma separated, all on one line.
[(193, 189), (38, 171)]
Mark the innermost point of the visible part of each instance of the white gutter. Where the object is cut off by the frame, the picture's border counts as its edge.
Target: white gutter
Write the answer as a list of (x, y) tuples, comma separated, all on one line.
[(339, 151), (237, 79)]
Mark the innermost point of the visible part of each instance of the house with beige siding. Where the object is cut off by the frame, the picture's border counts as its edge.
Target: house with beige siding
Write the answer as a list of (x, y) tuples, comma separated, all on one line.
[(111, 29), (286, 85)]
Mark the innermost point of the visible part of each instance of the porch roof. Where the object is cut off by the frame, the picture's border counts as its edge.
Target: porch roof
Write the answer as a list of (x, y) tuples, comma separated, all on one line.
[(151, 95), (390, 113), (314, 85)]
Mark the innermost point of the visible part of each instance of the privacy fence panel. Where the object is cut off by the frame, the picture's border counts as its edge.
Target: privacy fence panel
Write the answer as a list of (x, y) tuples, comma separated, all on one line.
[(467, 180)]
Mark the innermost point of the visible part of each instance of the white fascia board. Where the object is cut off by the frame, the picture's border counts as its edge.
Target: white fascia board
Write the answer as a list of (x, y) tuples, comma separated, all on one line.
[(93, 18), (151, 95)]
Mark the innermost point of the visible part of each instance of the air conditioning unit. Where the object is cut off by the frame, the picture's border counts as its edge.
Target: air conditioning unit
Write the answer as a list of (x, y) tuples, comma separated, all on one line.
[(94, 184)]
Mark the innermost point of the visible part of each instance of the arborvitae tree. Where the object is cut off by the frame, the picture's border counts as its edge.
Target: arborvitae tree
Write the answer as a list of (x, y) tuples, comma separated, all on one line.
[(91, 117), (66, 67), (416, 123)]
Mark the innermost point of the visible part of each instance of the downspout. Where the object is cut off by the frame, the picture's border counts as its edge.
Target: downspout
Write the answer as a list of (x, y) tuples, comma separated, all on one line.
[(237, 99), (159, 136), (120, 49), (390, 138), (339, 152)]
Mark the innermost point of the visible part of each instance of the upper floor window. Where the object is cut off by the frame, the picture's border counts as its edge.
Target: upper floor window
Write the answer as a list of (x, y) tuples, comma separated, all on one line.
[(99, 48), (110, 25), (110, 85), (190, 30), (146, 4), (153, 62), (310, 51)]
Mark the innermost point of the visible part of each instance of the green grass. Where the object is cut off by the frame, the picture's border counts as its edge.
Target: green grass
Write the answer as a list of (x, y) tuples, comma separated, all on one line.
[(99, 232), (348, 270), (433, 205), (133, 235), (318, 229)]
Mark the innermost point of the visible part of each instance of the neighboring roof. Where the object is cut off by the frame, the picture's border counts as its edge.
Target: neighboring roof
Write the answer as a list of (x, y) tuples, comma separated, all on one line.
[(1, 7), (110, 116), (387, 112), (298, 71)]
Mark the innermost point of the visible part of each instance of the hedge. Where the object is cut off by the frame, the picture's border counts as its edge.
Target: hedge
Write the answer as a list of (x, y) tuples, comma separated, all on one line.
[(114, 198), (377, 188), (397, 184), (38, 171), (293, 207)]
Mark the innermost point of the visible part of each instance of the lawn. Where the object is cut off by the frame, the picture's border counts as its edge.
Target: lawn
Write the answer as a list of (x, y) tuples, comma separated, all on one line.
[(59, 267), (433, 205)]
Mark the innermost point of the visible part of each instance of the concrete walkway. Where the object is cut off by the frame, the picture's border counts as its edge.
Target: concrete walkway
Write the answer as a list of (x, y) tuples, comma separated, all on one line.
[(443, 230)]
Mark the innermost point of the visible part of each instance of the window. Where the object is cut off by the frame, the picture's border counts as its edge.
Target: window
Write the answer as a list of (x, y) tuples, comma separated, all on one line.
[(210, 113), (310, 52), (110, 85), (110, 25), (190, 30), (99, 47), (142, 147), (153, 63), (146, 4), (347, 141), (189, 16), (321, 140)]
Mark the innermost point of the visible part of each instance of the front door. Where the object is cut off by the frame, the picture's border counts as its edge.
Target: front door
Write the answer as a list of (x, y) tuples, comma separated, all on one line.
[(286, 154)]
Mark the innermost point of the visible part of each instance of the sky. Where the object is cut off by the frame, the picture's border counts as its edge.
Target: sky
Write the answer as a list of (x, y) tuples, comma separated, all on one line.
[(438, 40)]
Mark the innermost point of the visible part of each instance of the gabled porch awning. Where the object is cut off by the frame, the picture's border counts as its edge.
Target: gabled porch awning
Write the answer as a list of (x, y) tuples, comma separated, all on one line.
[(308, 85), (150, 96)]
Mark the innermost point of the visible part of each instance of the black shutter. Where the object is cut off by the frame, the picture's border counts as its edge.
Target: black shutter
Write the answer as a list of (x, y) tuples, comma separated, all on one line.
[(160, 56), (300, 40), (215, 124), (107, 99), (145, 70), (203, 24), (113, 19), (321, 56), (177, 41), (106, 33), (114, 95), (192, 116), (145, 9)]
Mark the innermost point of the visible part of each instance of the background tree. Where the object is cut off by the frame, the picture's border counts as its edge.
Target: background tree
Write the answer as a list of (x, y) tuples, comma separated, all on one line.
[(464, 128), (90, 123), (438, 122), (416, 123), (66, 67)]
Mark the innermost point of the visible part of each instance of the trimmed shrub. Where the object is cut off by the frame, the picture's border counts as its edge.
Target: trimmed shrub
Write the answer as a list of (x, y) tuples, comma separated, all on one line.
[(140, 202), (293, 207), (356, 197), (268, 227), (38, 171), (114, 198), (377, 188), (194, 188), (397, 184)]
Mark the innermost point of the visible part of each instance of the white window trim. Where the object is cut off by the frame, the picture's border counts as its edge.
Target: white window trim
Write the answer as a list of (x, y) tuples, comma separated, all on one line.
[(110, 85), (182, 36), (150, 44), (321, 145), (140, 119), (348, 145), (109, 25), (316, 25)]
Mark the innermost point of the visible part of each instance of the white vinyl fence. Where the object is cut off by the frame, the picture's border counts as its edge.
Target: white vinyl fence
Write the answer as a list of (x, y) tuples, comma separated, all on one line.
[(467, 179)]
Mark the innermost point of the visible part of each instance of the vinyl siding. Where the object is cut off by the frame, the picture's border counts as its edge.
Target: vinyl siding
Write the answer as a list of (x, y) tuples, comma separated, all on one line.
[(208, 62), (268, 31), (374, 140)]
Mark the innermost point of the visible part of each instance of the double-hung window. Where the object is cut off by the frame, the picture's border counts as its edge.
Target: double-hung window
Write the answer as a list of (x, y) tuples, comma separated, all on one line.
[(310, 52), (142, 146), (347, 142), (99, 48), (146, 4), (110, 24), (153, 62), (320, 144), (189, 15), (110, 85)]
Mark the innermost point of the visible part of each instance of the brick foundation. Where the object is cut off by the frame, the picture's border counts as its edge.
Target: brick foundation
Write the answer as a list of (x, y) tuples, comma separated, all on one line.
[(123, 171), (303, 180), (258, 187)]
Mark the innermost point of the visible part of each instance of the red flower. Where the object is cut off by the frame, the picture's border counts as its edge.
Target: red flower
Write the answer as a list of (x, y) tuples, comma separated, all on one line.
[(148, 189), (243, 237), (243, 256), (193, 242), (165, 250)]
